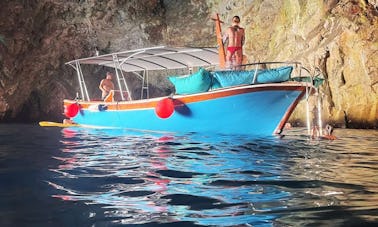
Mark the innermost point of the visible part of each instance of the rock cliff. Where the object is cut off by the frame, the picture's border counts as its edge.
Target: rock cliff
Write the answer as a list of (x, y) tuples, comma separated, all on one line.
[(38, 37)]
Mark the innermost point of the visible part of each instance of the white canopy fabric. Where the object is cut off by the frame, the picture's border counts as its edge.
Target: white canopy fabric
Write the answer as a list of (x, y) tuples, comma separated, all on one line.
[(155, 58)]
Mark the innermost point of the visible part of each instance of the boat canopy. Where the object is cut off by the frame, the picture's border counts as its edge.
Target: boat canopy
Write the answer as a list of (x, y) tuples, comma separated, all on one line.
[(142, 61), (155, 58)]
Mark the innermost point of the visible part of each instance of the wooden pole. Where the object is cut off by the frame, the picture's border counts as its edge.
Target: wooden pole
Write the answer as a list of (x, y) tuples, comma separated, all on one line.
[(221, 52)]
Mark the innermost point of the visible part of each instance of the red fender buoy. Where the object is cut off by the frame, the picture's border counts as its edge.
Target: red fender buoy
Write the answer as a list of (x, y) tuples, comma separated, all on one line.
[(165, 108), (71, 110)]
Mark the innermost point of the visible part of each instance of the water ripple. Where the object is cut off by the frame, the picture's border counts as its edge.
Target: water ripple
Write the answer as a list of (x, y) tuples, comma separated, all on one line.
[(219, 181)]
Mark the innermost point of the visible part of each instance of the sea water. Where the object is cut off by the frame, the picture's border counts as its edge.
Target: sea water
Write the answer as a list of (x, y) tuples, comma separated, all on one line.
[(87, 177)]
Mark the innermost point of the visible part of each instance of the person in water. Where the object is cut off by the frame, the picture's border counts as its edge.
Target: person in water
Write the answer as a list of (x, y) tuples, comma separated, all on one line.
[(68, 122), (315, 133), (328, 133), (106, 85), (235, 37)]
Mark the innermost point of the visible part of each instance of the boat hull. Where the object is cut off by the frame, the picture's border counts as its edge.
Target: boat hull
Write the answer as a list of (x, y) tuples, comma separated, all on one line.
[(252, 109)]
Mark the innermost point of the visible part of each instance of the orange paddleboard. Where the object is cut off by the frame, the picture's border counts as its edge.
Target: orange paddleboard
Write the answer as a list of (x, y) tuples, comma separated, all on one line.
[(221, 52)]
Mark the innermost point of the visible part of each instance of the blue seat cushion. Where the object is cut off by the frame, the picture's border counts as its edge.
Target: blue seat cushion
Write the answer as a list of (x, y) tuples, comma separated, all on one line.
[(274, 75), (197, 82), (233, 78)]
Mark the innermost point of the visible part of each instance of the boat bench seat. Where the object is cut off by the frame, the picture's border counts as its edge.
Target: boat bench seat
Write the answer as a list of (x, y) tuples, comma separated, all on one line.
[(204, 80)]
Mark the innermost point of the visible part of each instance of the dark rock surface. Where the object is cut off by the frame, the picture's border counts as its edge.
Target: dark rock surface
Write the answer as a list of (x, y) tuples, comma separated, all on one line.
[(38, 37)]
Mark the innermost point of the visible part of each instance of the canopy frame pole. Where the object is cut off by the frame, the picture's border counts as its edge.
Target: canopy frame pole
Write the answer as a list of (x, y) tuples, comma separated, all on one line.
[(115, 59), (320, 114), (120, 76), (126, 86), (124, 83), (255, 74), (132, 55), (145, 85), (308, 111), (83, 87)]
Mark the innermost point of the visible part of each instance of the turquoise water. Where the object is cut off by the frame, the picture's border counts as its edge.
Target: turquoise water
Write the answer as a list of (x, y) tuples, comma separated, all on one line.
[(86, 177)]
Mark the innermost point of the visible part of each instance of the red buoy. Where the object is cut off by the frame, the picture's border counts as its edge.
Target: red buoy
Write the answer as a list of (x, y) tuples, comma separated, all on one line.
[(71, 110), (165, 108)]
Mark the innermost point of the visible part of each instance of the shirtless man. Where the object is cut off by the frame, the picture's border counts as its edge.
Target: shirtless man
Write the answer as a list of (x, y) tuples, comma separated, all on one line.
[(106, 85), (235, 37)]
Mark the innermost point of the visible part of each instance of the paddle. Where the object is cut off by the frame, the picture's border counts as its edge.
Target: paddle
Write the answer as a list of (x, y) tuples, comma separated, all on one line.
[(57, 124)]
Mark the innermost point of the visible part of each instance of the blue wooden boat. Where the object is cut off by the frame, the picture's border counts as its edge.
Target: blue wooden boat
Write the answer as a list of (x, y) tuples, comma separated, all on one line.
[(253, 100)]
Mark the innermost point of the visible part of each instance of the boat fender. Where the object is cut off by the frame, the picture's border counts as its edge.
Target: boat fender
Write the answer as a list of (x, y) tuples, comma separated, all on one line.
[(165, 108), (102, 107), (71, 110)]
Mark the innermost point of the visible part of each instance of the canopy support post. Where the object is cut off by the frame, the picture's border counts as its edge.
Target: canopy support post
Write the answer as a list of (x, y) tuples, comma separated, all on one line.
[(83, 87), (120, 77), (308, 111), (255, 74), (145, 85), (320, 114)]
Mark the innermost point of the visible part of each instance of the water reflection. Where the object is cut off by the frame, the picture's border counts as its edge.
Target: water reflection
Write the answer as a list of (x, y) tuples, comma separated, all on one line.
[(140, 177)]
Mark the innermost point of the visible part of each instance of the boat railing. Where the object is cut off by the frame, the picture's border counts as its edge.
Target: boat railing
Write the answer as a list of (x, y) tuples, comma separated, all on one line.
[(298, 69), (274, 62)]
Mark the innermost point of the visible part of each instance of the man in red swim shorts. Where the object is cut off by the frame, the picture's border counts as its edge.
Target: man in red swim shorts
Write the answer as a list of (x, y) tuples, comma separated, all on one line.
[(235, 36)]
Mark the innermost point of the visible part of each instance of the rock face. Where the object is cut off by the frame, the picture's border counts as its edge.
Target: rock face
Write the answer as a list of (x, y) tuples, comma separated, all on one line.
[(38, 37)]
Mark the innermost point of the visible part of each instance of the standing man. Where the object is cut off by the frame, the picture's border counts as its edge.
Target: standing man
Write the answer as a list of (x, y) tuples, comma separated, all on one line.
[(235, 36), (106, 85)]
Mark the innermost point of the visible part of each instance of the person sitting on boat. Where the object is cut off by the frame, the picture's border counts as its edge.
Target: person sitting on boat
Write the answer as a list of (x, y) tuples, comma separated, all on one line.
[(106, 85), (235, 36)]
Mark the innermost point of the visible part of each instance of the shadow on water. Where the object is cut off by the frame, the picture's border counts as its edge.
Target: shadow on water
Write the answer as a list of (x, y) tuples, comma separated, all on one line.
[(83, 177)]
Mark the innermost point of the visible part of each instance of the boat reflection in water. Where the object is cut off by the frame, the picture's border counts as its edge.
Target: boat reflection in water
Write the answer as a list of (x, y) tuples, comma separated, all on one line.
[(139, 178)]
